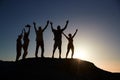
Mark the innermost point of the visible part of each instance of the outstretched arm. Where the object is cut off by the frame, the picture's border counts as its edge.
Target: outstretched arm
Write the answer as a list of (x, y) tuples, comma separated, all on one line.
[(22, 32), (52, 26), (28, 28), (46, 25), (75, 33), (65, 35), (65, 25), (35, 26)]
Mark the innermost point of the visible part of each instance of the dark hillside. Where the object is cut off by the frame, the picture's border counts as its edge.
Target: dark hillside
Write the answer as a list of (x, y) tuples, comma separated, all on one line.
[(53, 69)]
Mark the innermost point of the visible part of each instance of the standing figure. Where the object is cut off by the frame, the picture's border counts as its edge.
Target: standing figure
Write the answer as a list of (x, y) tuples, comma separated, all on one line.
[(39, 39), (26, 41), (58, 38), (19, 46), (70, 43)]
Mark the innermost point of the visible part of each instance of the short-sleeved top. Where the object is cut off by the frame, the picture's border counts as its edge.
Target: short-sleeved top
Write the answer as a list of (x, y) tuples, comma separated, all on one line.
[(39, 35), (57, 35)]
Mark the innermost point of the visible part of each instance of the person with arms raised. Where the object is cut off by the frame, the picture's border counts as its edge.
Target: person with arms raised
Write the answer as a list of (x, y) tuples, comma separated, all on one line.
[(39, 39), (58, 37), (26, 40), (19, 46), (70, 43)]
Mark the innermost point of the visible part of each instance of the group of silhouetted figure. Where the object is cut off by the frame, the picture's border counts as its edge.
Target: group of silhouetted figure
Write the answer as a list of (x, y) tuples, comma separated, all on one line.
[(40, 42)]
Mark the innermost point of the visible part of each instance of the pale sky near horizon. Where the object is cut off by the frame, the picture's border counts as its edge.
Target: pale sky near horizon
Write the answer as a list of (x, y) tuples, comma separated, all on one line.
[(97, 21)]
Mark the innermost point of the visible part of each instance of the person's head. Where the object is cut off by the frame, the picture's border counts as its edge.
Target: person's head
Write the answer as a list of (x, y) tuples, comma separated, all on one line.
[(58, 27), (70, 35), (40, 28), (27, 25)]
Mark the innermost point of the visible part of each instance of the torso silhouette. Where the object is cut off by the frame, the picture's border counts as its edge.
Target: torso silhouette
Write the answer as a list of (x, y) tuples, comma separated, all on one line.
[(39, 34), (19, 44), (70, 39), (26, 39), (57, 35)]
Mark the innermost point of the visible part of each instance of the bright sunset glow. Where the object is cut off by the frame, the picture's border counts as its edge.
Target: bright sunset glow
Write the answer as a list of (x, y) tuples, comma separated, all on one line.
[(80, 54)]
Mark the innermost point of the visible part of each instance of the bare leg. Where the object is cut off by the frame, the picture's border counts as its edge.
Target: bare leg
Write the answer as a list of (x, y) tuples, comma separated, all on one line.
[(25, 51), (25, 48), (42, 50), (59, 47), (59, 51), (72, 52), (24, 55), (36, 51), (68, 49), (18, 55), (55, 46)]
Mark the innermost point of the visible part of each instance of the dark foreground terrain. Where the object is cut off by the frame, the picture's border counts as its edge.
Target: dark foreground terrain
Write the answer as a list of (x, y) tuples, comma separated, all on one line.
[(53, 69)]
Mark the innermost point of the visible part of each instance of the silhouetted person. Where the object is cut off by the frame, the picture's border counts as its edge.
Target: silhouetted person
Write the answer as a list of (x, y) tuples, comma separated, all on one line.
[(70, 43), (26, 40), (19, 46), (58, 37), (39, 39)]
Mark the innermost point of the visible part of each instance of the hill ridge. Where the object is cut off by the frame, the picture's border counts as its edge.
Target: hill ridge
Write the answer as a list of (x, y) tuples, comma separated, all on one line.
[(53, 68)]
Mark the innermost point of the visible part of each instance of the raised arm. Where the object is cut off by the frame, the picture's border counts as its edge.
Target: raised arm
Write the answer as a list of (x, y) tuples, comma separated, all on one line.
[(52, 26), (46, 25), (65, 25), (35, 26), (74, 33), (28, 28), (22, 32), (65, 35)]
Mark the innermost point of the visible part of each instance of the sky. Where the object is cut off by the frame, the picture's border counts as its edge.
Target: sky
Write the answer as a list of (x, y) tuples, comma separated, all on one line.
[(97, 21)]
